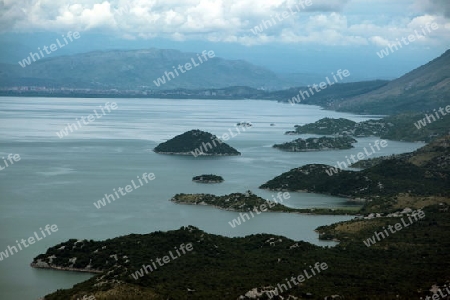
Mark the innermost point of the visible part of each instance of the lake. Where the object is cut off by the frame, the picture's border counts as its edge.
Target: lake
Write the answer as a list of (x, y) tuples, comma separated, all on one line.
[(57, 180)]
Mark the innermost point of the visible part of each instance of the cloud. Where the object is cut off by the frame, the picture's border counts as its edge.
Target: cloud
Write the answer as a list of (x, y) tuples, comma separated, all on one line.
[(327, 5), (438, 7), (323, 22), (186, 15)]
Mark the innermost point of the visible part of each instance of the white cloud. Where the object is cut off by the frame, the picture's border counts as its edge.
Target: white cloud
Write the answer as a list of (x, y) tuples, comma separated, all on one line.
[(327, 22)]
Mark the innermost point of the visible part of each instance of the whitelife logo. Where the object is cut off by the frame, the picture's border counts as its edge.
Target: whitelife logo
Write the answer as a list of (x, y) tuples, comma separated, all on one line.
[(263, 208), (321, 86), (407, 40), (53, 47), (224, 137), (422, 123), (161, 261), (31, 240), (281, 287), (266, 24), (90, 119), (11, 157), (418, 215), (187, 67), (128, 189), (342, 165)]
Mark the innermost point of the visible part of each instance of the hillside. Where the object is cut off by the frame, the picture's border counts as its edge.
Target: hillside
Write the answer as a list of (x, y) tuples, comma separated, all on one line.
[(335, 93), (197, 143), (423, 89), (217, 267)]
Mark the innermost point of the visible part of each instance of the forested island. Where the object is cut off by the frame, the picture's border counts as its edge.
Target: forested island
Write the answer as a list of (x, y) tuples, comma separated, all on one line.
[(197, 143), (208, 178), (234, 202), (317, 144)]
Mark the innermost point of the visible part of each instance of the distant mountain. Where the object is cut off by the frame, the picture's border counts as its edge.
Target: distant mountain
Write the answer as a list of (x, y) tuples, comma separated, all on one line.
[(139, 69), (423, 89)]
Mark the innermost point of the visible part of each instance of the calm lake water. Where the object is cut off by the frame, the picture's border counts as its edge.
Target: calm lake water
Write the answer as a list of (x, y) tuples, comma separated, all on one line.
[(58, 179)]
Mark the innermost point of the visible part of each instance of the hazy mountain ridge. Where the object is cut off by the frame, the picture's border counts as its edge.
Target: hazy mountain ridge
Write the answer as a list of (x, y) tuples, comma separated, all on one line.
[(133, 73), (133, 69)]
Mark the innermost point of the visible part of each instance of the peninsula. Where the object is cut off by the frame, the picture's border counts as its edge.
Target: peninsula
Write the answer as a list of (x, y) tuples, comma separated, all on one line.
[(317, 144)]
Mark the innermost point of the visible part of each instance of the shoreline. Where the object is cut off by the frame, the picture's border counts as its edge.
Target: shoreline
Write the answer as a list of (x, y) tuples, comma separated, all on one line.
[(190, 154), (43, 265), (307, 211)]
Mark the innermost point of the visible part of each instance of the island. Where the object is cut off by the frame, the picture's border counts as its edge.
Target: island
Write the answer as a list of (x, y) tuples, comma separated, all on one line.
[(249, 202), (244, 124), (197, 143), (343, 127), (317, 144), (234, 202), (209, 178)]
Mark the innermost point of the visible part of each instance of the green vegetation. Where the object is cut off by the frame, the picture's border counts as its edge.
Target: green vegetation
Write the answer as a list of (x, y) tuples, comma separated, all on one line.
[(208, 178), (388, 178), (325, 126), (344, 127), (402, 266), (421, 174), (196, 142), (400, 128), (249, 201), (404, 129), (317, 144), (235, 201)]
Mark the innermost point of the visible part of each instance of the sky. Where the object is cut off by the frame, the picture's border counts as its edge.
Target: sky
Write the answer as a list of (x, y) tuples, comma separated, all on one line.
[(286, 36)]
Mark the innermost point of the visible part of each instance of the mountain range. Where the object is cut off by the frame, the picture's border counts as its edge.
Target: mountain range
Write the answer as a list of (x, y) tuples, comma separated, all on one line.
[(141, 69), (155, 73)]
